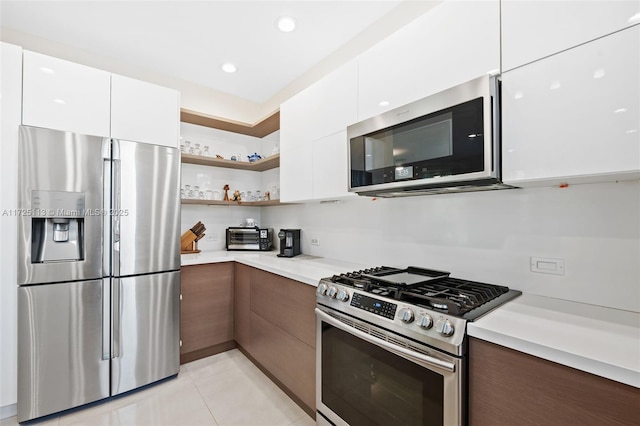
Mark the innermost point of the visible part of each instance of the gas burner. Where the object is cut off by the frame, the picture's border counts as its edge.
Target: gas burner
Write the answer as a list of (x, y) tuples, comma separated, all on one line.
[(426, 288)]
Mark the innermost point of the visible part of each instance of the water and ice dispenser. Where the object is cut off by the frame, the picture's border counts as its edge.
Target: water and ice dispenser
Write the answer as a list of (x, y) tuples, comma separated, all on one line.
[(57, 227)]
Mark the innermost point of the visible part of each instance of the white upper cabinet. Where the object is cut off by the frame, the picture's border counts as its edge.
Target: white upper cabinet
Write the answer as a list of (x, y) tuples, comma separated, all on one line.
[(330, 168), (321, 110), (534, 29), (574, 116), (62, 95), (326, 107), (144, 112), (296, 174), (452, 43)]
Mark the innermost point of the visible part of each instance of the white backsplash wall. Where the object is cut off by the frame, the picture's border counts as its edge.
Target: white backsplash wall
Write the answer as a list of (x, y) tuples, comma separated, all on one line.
[(490, 236)]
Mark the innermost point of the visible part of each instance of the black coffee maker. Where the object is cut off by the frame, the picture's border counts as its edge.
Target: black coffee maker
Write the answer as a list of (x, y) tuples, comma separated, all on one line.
[(289, 242)]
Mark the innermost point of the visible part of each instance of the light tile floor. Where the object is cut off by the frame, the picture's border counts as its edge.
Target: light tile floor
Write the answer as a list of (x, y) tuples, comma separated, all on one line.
[(224, 390)]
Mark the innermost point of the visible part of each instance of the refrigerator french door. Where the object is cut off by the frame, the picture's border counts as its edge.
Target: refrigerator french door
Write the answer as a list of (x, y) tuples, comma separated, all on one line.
[(98, 272)]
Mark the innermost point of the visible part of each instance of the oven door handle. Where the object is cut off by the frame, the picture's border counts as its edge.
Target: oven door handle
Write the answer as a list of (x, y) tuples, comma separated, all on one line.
[(418, 358)]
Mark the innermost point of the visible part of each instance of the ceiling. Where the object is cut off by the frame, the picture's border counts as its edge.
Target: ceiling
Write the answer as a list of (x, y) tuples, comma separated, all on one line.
[(190, 40)]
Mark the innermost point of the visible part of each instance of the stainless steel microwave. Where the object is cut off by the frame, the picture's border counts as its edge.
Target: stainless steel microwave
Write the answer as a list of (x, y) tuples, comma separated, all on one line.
[(447, 142)]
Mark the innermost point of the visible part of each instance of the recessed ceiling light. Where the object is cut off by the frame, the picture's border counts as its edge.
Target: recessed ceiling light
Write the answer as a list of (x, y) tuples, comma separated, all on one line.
[(286, 24), (229, 67), (383, 103)]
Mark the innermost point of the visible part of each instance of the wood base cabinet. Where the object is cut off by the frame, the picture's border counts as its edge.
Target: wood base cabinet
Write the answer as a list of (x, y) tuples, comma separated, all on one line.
[(275, 327), (507, 387), (206, 310)]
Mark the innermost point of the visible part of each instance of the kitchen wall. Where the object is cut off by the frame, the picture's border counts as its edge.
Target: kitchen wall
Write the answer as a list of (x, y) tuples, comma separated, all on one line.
[(217, 218), (490, 236)]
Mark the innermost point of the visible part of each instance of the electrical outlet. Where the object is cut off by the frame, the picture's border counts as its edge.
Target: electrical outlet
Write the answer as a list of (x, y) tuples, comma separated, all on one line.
[(546, 265), (315, 241)]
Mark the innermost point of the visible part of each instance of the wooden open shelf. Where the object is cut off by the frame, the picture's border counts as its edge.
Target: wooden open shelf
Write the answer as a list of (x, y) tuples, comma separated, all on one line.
[(260, 129), (233, 203), (257, 166)]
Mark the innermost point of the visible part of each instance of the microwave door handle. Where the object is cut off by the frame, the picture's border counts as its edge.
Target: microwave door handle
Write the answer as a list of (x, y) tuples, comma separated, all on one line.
[(418, 358)]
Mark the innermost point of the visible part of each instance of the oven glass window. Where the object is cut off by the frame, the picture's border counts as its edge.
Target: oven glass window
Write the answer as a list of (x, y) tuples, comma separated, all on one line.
[(447, 142), (366, 385)]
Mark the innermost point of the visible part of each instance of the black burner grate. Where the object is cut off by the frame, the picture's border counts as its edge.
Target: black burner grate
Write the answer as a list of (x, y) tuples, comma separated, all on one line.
[(437, 291)]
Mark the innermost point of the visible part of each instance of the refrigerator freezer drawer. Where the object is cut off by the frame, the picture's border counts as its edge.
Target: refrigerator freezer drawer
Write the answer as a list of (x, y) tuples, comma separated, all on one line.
[(60, 342), (146, 330)]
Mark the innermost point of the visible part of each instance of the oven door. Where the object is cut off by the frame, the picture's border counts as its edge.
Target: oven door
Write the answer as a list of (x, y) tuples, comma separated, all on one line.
[(369, 376)]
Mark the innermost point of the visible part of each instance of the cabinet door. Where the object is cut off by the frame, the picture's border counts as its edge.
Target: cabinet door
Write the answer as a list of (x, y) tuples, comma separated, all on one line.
[(534, 29), (62, 95), (206, 315), (330, 172), (502, 383), (242, 305), (452, 43), (144, 112), (296, 174), (10, 108), (327, 106), (575, 116)]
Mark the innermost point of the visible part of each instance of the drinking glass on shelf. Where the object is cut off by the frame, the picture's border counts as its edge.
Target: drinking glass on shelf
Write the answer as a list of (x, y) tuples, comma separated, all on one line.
[(249, 196), (181, 191), (208, 194), (188, 192), (205, 152), (197, 150), (201, 195), (188, 149), (258, 196)]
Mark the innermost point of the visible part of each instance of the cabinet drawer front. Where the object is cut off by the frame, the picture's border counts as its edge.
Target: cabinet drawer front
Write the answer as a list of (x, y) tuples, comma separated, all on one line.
[(287, 304)]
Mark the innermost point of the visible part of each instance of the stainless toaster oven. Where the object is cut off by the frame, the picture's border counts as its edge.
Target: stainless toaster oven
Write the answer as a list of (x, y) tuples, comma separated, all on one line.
[(243, 238)]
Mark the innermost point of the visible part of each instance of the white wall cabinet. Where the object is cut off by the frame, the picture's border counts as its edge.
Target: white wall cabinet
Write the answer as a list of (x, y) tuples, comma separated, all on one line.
[(452, 43), (10, 99), (296, 174), (533, 29), (62, 95), (323, 109), (144, 112), (574, 116), (330, 169)]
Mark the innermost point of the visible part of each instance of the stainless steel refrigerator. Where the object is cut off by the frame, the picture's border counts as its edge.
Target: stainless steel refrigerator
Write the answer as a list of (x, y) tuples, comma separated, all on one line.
[(98, 268)]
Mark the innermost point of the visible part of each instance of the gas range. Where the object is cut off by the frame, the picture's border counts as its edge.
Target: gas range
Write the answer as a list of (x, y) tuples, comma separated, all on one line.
[(420, 304)]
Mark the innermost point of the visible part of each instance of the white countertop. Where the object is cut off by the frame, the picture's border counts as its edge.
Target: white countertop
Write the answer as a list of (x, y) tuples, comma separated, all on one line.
[(303, 268), (598, 340), (601, 341)]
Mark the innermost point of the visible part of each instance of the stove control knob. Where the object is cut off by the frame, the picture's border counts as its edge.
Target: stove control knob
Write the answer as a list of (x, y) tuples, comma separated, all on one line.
[(425, 321), (444, 327), (342, 295), (322, 289), (332, 292), (406, 315)]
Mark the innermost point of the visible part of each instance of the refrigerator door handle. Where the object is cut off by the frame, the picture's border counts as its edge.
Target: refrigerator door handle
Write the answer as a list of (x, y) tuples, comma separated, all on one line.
[(106, 205), (115, 316), (116, 206), (106, 319)]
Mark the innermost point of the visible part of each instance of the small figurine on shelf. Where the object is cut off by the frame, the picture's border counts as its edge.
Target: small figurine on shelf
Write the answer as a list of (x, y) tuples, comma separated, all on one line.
[(226, 192), (219, 157), (267, 195), (237, 196)]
